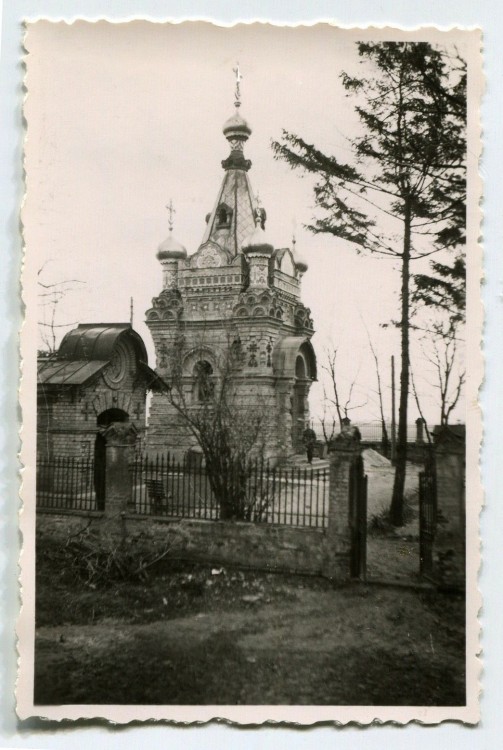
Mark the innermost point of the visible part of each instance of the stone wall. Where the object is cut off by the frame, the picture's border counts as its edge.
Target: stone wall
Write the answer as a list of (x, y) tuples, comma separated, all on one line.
[(297, 549), (247, 545)]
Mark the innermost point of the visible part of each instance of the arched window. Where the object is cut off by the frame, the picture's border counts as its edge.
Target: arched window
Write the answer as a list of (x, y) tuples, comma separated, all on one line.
[(203, 381), (224, 216)]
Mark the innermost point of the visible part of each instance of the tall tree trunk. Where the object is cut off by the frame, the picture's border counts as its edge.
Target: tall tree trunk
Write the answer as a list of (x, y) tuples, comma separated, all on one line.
[(397, 501)]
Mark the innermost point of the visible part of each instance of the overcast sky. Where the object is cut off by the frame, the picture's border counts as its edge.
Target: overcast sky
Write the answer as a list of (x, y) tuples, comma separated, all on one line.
[(121, 118)]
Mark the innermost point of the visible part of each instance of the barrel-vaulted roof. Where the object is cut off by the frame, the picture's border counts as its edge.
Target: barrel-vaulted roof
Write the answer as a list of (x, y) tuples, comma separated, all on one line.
[(96, 341), (86, 351)]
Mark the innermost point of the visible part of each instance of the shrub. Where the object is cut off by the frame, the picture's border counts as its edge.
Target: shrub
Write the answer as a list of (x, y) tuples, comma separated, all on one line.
[(97, 559), (380, 523)]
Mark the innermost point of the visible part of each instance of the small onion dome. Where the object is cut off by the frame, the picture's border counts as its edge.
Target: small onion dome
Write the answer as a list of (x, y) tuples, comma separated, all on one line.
[(300, 263), (257, 242), (171, 249), (236, 126)]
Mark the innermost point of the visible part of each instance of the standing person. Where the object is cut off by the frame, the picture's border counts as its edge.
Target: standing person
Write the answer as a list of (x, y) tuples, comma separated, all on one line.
[(309, 439)]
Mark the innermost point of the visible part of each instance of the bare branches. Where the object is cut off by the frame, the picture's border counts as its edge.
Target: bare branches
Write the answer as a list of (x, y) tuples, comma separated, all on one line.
[(342, 405), (450, 378), (53, 293), (204, 389)]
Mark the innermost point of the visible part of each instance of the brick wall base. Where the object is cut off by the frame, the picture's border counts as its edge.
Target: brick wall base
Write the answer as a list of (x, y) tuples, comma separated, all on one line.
[(268, 547)]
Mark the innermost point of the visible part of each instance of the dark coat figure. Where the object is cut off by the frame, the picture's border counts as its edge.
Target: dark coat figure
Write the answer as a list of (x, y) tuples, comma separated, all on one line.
[(309, 440)]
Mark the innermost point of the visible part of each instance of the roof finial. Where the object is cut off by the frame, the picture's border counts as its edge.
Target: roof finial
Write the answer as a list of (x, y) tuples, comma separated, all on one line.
[(171, 212), (237, 93)]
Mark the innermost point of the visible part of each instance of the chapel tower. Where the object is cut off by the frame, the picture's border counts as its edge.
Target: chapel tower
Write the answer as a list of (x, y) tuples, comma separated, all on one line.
[(236, 291)]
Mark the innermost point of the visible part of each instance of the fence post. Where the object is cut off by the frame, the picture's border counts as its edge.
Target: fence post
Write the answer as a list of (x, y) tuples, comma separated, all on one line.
[(345, 451), (120, 439), (451, 509)]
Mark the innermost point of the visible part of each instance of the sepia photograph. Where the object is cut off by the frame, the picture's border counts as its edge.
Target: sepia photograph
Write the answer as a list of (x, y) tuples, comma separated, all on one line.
[(251, 358)]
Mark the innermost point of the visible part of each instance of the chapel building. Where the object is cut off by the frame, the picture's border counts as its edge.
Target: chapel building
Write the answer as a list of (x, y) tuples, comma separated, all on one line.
[(237, 293)]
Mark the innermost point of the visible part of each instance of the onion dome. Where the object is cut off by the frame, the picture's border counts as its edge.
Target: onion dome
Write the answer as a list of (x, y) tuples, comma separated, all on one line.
[(171, 249), (298, 259), (300, 263), (258, 242), (236, 126)]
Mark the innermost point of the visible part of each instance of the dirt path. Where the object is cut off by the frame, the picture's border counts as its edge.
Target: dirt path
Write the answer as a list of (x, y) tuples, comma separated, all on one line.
[(353, 645)]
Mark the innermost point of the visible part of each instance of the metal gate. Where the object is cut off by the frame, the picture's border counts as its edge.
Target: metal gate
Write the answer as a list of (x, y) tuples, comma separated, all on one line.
[(358, 519), (427, 520)]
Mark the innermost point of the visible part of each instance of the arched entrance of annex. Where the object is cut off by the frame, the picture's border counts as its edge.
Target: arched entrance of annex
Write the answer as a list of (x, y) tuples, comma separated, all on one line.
[(104, 420)]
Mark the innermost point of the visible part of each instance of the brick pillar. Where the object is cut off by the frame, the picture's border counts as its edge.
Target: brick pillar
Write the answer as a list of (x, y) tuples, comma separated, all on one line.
[(450, 479), (450, 471), (120, 440), (345, 450)]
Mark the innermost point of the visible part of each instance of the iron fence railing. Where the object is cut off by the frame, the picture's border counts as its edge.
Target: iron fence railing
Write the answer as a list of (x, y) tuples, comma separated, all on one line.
[(290, 496), (66, 483), (163, 486)]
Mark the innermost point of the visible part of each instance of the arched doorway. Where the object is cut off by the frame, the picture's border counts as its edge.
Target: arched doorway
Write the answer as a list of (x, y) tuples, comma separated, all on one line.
[(104, 419), (299, 407)]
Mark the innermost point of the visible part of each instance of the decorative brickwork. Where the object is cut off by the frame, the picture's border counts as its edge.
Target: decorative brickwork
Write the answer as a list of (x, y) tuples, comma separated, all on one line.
[(90, 377), (236, 290)]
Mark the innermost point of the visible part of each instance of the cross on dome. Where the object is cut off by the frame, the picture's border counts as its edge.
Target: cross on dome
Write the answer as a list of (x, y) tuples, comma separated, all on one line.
[(239, 77), (171, 211), (171, 249)]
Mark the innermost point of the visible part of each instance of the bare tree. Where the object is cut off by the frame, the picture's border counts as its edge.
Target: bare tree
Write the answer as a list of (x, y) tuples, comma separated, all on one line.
[(334, 398), (50, 295), (329, 422), (229, 431), (385, 441), (443, 353)]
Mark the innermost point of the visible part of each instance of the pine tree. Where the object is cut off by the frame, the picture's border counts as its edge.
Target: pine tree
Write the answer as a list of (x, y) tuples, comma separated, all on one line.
[(408, 164)]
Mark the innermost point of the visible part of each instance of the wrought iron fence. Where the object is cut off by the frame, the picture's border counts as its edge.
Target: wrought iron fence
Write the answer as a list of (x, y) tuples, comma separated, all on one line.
[(163, 486), (66, 483), (290, 496)]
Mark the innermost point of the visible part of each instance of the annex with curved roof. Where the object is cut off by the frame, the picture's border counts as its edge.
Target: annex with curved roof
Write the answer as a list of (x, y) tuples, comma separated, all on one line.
[(86, 351)]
